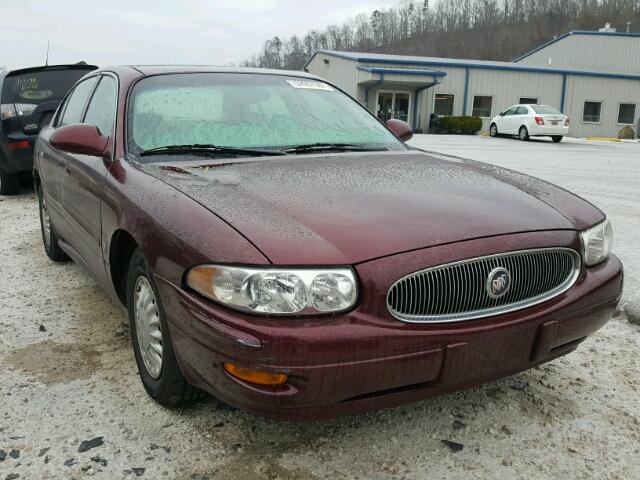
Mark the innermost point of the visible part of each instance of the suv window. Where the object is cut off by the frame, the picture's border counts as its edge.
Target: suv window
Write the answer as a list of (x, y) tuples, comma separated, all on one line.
[(39, 86), (74, 107), (101, 110)]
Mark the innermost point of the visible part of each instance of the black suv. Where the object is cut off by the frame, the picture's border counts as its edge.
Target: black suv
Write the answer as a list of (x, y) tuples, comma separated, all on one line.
[(28, 99)]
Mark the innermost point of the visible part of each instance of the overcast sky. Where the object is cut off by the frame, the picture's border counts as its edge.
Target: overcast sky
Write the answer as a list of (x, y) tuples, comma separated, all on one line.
[(216, 32)]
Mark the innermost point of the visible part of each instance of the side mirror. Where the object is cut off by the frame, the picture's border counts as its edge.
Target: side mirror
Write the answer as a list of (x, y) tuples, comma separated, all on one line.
[(501, 114), (400, 129), (80, 138)]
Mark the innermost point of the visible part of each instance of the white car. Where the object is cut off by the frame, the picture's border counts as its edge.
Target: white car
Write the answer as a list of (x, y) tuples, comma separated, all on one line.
[(530, 121)]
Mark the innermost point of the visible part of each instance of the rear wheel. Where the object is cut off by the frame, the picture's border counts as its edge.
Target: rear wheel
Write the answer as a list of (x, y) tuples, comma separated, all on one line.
[(152, 347), (493, 130), (523, 133), (557, 138), (49, 237), (9, 184)]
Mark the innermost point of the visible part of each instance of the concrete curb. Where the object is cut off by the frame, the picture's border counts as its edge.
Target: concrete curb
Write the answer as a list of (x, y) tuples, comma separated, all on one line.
[(603, 139)]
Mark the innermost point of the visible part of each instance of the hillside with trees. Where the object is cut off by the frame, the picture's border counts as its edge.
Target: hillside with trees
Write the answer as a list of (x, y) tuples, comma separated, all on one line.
[(473, 29)]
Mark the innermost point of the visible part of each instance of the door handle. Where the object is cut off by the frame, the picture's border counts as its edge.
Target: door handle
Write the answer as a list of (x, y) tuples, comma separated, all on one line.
[(67, 168)]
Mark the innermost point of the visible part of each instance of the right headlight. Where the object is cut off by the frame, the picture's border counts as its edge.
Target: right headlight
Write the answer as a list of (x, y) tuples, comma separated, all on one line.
[(596, 243), (276, 291)]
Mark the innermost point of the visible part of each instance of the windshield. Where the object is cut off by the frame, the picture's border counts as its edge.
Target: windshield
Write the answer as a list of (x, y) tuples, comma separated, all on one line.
[(37, 87), (247, 111), (545, 110)]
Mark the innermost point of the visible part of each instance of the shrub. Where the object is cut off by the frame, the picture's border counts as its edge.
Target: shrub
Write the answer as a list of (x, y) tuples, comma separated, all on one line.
[(460, 125), (626, 133)]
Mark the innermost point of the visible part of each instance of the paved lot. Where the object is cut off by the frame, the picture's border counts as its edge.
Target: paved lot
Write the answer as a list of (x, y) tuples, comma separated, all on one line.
[(67, 375)]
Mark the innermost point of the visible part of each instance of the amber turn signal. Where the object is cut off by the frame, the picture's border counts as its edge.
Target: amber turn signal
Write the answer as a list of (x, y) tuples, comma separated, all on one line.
[(254, 376)]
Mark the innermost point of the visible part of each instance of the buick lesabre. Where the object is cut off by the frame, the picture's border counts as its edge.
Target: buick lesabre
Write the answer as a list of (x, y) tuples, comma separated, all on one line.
[(280, 248)]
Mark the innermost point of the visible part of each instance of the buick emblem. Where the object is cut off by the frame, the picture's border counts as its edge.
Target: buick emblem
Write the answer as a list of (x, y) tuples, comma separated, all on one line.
[(498, 282)]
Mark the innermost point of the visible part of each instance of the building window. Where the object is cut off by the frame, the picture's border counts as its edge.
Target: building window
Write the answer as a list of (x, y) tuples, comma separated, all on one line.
[(627, 113), (591, 112), (528, 101), (443, 105), (482, 106)]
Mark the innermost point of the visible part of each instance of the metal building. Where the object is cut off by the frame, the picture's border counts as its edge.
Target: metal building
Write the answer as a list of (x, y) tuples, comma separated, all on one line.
[(594, 77)]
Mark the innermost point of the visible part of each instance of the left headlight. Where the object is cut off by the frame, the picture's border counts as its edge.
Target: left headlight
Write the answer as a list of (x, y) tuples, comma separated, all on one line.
[(596, 243), (276, 291)]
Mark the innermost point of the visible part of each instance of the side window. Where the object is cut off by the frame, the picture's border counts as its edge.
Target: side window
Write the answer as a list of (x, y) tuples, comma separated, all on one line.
[(482, 106), (591, 112), (626, 113), (74, 108), (522, 111), (443, 105), (101, 110), (511, 111)]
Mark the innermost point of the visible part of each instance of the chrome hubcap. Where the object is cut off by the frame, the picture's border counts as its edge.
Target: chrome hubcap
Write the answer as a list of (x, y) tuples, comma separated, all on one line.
[(148, 328), (46, 223)]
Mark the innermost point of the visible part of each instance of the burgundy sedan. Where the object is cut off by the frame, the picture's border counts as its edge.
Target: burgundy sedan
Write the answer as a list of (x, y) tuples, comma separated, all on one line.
[(280, 248)]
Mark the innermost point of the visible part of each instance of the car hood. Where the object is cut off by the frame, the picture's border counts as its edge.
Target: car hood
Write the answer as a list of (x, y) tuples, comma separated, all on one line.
[(349, 208)]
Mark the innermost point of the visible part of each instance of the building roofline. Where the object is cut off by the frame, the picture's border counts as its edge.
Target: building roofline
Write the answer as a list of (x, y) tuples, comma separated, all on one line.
[(471, 65), (403, 71), (574, 32)]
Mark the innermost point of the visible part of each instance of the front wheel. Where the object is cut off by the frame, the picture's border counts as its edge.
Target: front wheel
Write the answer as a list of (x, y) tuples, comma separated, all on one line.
[(9, 184), (152, 346), (523, 133), (493, 130), (557, 138)]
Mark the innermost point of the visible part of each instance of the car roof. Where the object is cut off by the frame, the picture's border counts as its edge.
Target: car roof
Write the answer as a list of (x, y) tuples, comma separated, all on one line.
[(169, 69)]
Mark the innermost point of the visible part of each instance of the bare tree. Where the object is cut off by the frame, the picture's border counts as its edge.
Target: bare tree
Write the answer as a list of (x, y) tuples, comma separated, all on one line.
[(486, 29)]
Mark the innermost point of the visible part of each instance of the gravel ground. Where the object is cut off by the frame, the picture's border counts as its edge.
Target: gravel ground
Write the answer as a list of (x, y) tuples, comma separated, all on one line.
[(72, 405)]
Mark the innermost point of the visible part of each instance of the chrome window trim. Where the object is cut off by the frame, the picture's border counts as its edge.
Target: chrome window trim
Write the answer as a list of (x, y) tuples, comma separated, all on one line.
[(477, 314)]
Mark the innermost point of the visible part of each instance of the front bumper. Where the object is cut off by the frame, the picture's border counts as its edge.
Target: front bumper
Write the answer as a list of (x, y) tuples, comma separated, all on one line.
[(366, 360)]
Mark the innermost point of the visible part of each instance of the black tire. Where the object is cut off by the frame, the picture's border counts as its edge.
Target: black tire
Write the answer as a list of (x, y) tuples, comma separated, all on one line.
[(493, 130), (556, 138), (9, 184), (523, 133), (50, 241), (170, 389)]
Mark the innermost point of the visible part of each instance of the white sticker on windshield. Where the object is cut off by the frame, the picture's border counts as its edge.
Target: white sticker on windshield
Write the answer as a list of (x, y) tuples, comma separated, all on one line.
[(310, 85)]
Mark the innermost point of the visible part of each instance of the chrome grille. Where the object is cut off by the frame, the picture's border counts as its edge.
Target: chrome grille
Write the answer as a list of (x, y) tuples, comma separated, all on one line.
[(458, 291)]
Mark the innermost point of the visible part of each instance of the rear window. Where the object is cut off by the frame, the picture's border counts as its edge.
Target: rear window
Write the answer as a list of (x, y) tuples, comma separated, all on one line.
[(39, 87), (545, 110)]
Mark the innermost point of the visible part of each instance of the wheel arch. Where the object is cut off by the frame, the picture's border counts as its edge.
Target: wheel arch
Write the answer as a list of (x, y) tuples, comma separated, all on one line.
[(36, 179), (121, 249)]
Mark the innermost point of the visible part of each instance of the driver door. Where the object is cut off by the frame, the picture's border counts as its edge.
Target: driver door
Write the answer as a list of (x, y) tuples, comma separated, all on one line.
[(507, 122), (86, 175)]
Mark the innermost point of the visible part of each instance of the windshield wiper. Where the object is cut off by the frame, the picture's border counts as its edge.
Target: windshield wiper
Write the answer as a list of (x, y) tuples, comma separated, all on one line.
[(207, 149), (343, 147)]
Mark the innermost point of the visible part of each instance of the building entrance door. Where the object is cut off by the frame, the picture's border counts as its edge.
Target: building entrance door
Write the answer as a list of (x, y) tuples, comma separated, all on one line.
[(394, 105)]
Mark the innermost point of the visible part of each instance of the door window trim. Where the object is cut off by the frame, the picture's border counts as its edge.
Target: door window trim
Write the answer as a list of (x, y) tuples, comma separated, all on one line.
[(115, 113), (65, 102)]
